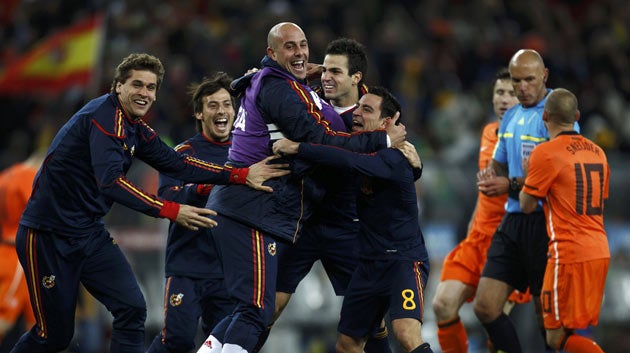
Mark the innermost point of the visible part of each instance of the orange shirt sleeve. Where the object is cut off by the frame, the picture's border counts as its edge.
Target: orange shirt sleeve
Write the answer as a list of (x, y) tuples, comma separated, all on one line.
[(489, 210)]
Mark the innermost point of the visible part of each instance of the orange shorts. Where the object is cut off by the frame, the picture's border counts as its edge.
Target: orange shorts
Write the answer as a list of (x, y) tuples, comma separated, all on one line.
[(572, 293), (465, 262), (14, 299)]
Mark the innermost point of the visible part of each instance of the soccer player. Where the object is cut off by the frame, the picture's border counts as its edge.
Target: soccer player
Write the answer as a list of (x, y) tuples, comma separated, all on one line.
[(194, 278), (254, 225), (62, 241), (343, 74), (331, 234), (463, 265), (570, 174), (393, 261), (517, 255), (16, 183)]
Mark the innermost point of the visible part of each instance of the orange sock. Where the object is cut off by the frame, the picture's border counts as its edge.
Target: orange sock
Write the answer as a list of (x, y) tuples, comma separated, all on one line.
[(452, 336), (579, 344)]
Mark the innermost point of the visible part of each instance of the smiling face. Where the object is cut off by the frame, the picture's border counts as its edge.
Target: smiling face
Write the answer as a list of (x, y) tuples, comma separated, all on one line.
[(367, 116), (217, 115), (137, 93), (289, 48), (339, 86)]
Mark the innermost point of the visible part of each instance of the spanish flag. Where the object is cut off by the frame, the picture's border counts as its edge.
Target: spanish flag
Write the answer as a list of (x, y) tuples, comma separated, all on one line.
[(64, 59)]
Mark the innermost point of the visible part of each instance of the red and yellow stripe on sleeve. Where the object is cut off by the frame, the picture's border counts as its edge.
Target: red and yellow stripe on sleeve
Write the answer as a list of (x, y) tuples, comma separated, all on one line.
[(139, 193), (206, 165)]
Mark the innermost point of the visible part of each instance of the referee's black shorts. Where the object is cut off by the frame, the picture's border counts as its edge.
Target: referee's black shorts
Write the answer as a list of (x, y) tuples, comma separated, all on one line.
[(518, 252)]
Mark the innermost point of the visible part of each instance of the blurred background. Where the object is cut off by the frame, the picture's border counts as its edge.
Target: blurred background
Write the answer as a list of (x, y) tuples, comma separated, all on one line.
[(437, 56)]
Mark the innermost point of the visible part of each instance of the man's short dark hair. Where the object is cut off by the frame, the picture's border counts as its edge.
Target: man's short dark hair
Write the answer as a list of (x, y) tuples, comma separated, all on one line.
[(354, 51), (389, 105), (137, 61), (502, 74), (207, 87)]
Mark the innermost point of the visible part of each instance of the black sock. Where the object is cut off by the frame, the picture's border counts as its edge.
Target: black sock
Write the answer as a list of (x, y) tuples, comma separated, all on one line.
[(423, 348), (503, 334), (378, 343)]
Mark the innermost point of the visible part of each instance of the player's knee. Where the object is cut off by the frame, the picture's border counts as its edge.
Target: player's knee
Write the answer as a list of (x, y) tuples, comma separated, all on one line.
[(485, 312), (408, 332), (129, 317), (348, 344), (345, 344), (443, 308)]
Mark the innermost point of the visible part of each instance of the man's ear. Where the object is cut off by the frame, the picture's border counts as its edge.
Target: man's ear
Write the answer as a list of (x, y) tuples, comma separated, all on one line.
[(545, 116), (271, 53), (386, 122), (577, 116), (357, 77)]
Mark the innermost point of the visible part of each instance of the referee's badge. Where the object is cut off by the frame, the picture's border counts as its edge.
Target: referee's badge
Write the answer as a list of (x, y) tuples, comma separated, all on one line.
[(176, 299), (271, 248), (48, 281)]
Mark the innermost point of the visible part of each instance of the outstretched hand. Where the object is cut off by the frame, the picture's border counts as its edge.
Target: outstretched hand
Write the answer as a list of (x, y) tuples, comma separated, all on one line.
[(262, 171), (397, 133), (194, 217)]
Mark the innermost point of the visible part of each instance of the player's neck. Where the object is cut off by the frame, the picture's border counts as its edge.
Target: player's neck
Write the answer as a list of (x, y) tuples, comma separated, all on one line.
[(346, 101)]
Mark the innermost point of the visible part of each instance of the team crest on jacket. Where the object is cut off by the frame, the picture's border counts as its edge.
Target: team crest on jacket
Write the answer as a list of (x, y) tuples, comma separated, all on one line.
[(48, 281), (131, 151), (176, 299), (271, 248)]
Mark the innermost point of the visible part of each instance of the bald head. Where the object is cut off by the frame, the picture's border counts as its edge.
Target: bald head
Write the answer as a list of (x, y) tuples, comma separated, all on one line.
[(287, 45), (529, 77), (527, 57), (277, 32), (561, 107)]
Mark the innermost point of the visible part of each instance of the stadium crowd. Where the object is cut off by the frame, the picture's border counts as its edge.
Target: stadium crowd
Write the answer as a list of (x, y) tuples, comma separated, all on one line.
[(436, 56)]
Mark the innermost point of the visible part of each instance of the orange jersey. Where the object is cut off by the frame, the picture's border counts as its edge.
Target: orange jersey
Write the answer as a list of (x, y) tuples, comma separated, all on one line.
[(15, 189), (16, 183), (465, 262), (489, 210), (571, 174)]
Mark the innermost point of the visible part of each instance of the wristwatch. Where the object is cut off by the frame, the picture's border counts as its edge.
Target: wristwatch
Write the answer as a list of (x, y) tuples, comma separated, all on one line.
[(514, 184)]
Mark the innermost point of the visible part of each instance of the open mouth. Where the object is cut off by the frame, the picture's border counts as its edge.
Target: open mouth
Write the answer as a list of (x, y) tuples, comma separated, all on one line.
[(298, 65), (221, 124), (356, 125)]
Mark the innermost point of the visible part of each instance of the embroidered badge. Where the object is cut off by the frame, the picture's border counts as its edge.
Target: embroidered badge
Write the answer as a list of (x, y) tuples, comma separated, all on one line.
[(176, 299), (48, 281), (271, 248)]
